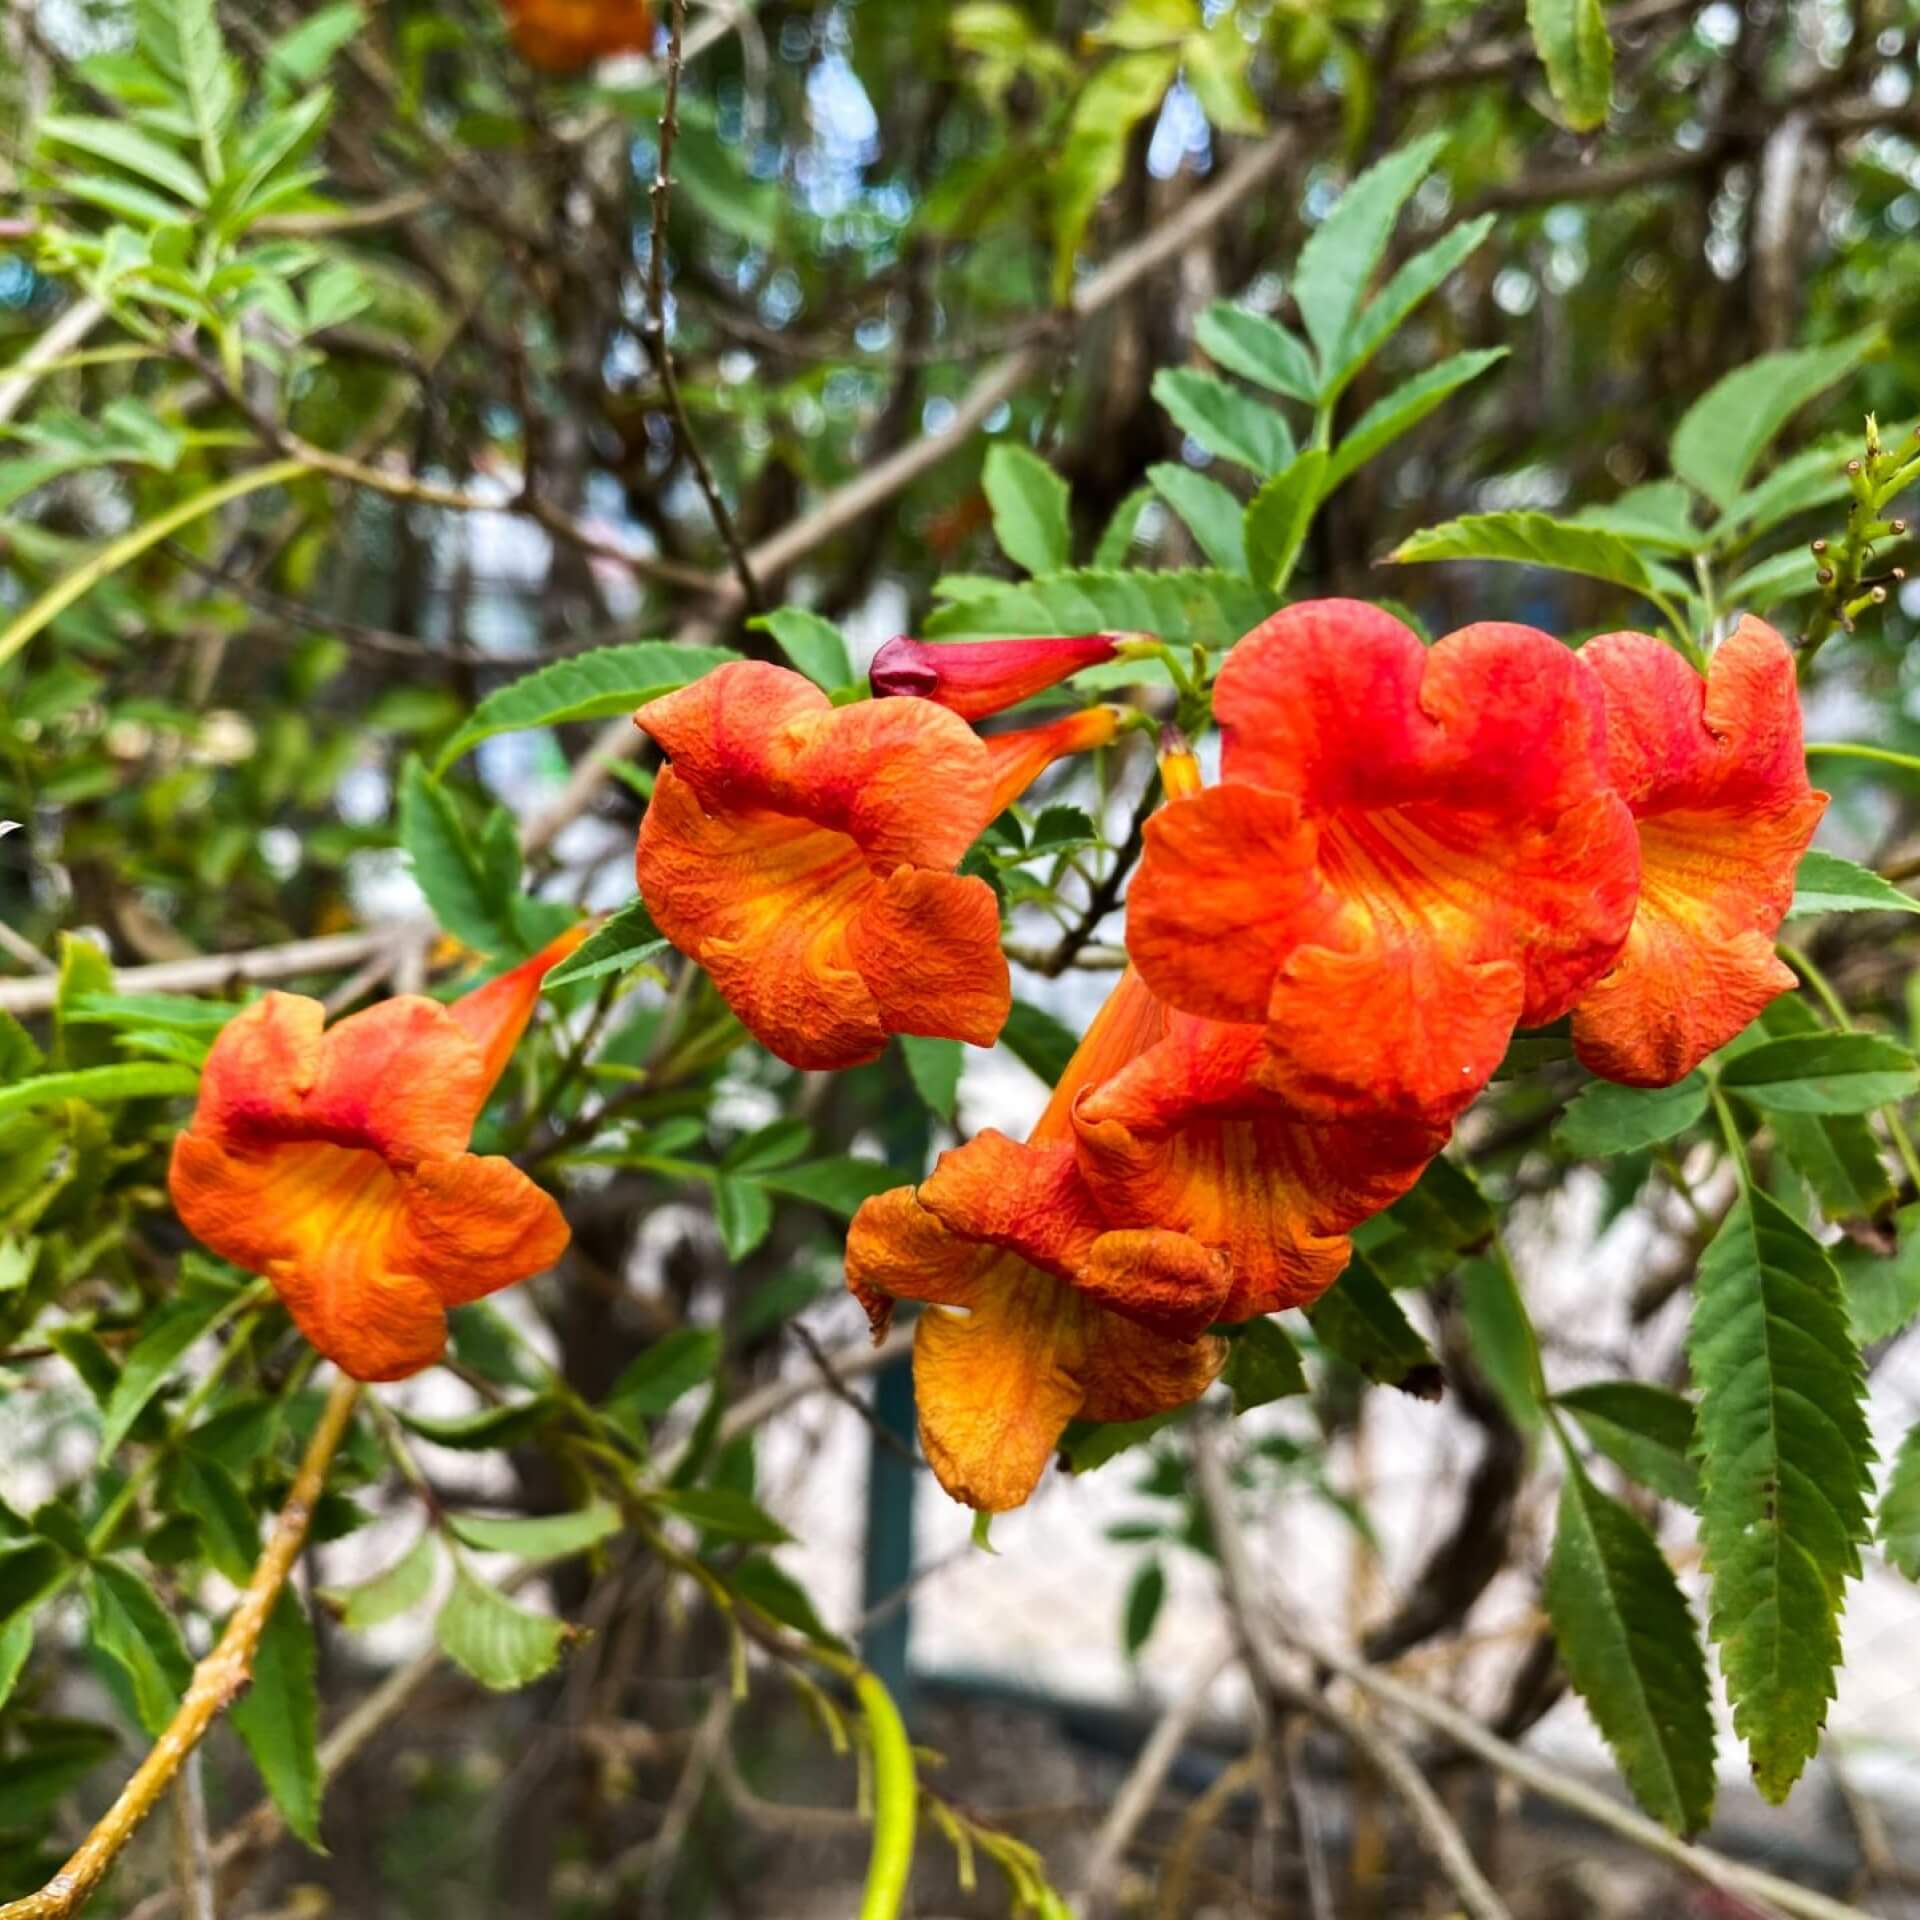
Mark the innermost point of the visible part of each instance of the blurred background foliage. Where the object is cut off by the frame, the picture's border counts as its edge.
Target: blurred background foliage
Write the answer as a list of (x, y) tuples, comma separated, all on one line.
[(364, 468)]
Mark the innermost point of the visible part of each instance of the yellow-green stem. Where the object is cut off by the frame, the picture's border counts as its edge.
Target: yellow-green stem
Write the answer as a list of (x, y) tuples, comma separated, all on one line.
[(895, 1801)]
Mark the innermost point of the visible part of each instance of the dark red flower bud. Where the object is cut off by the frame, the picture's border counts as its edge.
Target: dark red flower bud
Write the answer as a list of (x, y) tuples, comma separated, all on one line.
[(974, 678)]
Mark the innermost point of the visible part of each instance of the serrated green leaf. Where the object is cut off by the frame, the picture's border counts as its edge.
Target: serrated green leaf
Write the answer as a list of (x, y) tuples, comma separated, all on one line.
[(743, 1213), (1883, 1293), (1231, 425), (1786, 576), (1211, 514), (675, 1364), (1194, 606), (279, 1718), (1645, 1430), (303, 53), (467, 899), (1116, 542), (1786, 1464), (1658, 514), (1264, 1366), (389, 1595), (1632, 1651), (28, 1573), (1725, 431), (1257, 349), (128, 1624), (1087, 1444), (1823, 1073), (1360, 1320), (1504, 1342), (837, 1186), (59, 1756), (168, 1336), (1341, 253), (1279, 516), (588, 686), (1031, 508), (16, 1643), (123, 145), (1145, 1595), (725, 1513), (1574, 46), (1410, 284), (1093, 158), (545, 1536), (1403, 409), (626, 941), (483, 1432), (764, 1584), (934, 1067), (1038, 1040), (815, 646), (99, 1086), (1839, 1158), (1532, 540), (1603, 1119), (1826, 883), (501, 1644), (1900, 1508)]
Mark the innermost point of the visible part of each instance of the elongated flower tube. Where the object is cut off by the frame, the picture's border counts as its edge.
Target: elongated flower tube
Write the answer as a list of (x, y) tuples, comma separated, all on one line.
[(1414, 851), (1716, 776), (334, 1161), (567, 36), (803, 854), (975, 678)]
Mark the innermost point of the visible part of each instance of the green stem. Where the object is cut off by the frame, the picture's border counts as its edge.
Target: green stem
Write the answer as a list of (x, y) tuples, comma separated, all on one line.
[(1731, 1133), (130, 546), (895, 1800), (1854, 750)]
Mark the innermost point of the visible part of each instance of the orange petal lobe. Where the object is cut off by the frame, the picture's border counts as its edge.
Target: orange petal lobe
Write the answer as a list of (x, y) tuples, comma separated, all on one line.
[(928, 946), (1715, 774), (402, 1078), (475, 1225), (259, 1069), (763, 903), (726, 733)]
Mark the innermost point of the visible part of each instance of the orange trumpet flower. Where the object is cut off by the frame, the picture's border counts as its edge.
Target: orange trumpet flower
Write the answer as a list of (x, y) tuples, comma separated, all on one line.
[(1162, 1190), (1415, 851), (334, 1161), (803, 854), (974, 678), (566, 36), (1716, 776)]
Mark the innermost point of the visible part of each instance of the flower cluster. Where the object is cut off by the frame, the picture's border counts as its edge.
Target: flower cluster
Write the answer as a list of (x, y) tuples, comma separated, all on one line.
[(1412, 852)]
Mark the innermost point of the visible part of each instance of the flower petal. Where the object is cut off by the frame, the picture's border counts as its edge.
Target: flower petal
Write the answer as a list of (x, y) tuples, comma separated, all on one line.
[(1715, 774), (897, 1249), (928, 946), (763, 904), (908, 782), (259, 1068), (495, 1015), (726, 732), (1186, 1139), (1019, 759), (1471, 867), (401, 1078), (475, 1225), (992, 1393)]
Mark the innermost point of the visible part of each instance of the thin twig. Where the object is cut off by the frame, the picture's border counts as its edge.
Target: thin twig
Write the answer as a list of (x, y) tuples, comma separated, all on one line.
[(835, 1383), (1142, 1786), (1394, 1766), (656, 327), (217, 1682), (23, 950), (192, 1860)]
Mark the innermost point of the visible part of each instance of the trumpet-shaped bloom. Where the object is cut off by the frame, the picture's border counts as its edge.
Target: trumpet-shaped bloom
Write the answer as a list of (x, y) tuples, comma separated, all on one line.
[(1414, 851), (1161, 1191), (334, 1161), (975, 678), (803, 854), (565, 36), (1715, 774)]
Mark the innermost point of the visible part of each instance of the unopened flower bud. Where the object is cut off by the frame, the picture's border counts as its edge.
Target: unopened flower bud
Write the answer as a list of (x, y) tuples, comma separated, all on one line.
[(975, 678)]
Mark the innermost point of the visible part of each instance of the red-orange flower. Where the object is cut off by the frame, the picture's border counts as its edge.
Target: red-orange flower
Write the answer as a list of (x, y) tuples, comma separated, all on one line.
[(334, 1161), (1161, 1191), (1415, 851), (803, 854), (1715, 774), (565, 36), (975, 678)]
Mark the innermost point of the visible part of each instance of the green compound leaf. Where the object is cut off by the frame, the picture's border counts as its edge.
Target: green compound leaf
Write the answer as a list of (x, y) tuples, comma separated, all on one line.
[(1632, 1652), (1786, 1467)]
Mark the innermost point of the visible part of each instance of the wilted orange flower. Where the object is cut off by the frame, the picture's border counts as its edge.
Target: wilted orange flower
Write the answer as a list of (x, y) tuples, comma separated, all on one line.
[(335, 1163), (1716, 776), (564, 36), (974, 678), (1162, 1190), (1415, 851), (803, 854)]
